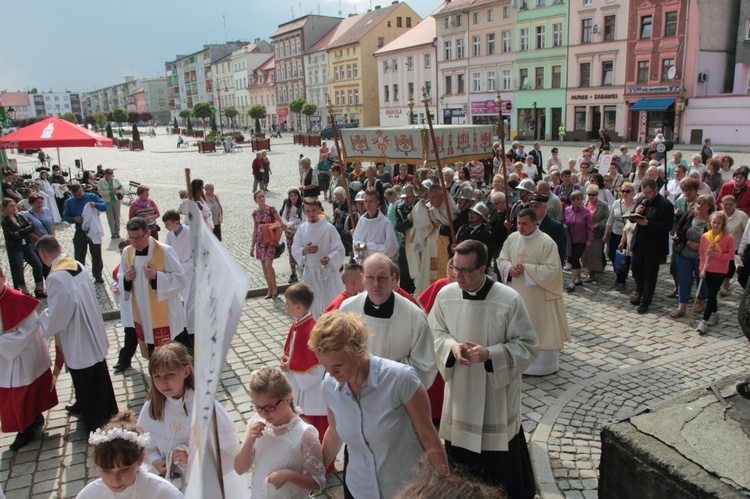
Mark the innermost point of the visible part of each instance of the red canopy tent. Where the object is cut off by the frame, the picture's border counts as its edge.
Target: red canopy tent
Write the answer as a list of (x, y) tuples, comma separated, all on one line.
[(53, 132)]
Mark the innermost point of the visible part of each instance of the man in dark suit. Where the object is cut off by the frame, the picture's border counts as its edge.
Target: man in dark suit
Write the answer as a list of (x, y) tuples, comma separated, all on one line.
[(536, 153), (547, 224), (651, 242)]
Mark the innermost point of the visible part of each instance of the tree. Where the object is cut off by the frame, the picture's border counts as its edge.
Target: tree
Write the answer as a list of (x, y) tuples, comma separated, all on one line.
[(202, 110), (120, 116), (231, 113), (70, 117), (134, 117), (136, 133), (296, 107), (146, 116), (308, 110), (79, 117), (185, 114), (110, 135), (100, 119), (109, 116), (190, 123), (175, 126), (257, 112), (214, 128)]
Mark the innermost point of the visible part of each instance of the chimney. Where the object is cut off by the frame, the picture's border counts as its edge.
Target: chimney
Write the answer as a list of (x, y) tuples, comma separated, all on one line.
[(377, 7), (394, 2)]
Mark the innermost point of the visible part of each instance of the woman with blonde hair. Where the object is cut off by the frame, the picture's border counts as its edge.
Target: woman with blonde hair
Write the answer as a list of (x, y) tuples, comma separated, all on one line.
[(716, 251)]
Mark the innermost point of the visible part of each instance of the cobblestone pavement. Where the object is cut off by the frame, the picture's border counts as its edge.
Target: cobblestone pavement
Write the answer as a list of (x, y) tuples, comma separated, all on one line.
[(619, 360)]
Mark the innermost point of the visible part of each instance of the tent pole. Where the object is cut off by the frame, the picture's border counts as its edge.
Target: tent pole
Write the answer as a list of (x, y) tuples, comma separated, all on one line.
[(501, 133)]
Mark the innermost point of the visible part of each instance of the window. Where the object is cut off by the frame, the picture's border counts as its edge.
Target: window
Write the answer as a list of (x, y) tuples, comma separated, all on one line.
[(643, 72), (539, 77), (557, 35), (448, 85), (336, 75), (670, 24), (586, 3), (428, 88), (476, 18), (506, 12), (476, 44), (386, 93), (506, 79), (355, 72), (398, 22), (609, 28), (427, 60), (646, 22), (410, 63), (666, 65), (460, 48), (408, 24), (349, 71), (448, 49), (610, 117), (356, 96), (491, 81), (585, 75), (490, 15), (395, 64), (458, 20), (506, 42), (540, 3), (381, 42), (608, 69), (350, 99), (460, 84), (491, 43), (476, 82), (586, 30), (556, 76), (411, 90), (541, 37), (447, 22), (580, 118), (523, 78), (524, 39), (395, 91)]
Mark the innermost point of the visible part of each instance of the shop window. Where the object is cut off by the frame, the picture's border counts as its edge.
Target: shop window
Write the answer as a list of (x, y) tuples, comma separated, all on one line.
[(580, 119)]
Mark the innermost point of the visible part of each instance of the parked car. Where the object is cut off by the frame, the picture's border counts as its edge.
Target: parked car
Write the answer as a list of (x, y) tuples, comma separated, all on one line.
[(327, 132)]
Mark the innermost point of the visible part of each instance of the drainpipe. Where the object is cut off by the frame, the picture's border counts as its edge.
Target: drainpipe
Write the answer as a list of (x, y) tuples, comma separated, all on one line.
[(681, 98), (437, 83)]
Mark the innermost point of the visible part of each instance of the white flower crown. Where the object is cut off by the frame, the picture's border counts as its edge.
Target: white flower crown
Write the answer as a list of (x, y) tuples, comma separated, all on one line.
[(99, 437)]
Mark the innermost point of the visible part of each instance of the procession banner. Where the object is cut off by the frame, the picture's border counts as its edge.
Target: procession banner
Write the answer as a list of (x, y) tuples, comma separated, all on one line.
[(412, 144), (220, 289)]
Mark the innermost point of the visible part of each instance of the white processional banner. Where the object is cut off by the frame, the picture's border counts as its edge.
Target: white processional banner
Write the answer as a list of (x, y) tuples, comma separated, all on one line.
[(220, 290)]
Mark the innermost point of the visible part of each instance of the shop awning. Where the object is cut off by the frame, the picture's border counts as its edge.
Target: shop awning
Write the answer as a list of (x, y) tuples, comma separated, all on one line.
[(652, 105)]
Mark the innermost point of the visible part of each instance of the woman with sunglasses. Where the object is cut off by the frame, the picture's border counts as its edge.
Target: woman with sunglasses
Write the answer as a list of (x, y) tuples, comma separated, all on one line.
[(613, 233)]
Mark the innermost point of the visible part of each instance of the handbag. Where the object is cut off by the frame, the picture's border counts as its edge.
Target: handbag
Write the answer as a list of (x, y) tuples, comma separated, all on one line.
[(622, 261), (279, 250)]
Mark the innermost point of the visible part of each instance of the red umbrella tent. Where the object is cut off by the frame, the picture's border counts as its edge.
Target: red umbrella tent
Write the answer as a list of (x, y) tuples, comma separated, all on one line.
[(53, 132)]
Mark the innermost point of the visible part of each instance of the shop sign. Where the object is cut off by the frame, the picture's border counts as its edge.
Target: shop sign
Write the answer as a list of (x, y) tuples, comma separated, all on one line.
[(489, 107), (454, 112), (652, 90), (594, 96)]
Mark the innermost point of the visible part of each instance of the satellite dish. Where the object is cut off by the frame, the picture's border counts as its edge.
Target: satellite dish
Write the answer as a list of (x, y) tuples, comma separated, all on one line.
[(671, 73)]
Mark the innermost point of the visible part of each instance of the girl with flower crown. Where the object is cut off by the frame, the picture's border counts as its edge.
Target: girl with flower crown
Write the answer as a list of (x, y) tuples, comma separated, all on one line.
[(118, 454), (167, 416)]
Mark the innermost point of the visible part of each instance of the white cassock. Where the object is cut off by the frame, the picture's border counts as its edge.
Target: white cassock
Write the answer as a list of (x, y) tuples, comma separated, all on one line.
[(540, 286), (475, 398), (405, 337), (145, 485), (181, 246), (378, 234), (49, 200), (421, 244), (169, 285), (324, 279)]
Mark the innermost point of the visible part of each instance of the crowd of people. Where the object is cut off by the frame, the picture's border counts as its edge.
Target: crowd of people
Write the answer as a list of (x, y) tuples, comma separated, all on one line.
[(378, 357)]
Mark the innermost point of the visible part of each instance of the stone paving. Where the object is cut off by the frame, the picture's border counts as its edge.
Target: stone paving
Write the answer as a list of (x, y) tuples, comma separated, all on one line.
[(618, 362)]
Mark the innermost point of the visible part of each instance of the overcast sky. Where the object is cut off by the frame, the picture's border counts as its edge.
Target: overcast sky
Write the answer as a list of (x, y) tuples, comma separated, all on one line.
[(84, 45)]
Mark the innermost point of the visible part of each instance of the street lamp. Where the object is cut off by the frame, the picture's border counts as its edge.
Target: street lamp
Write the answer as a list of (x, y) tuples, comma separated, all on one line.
[(221, 121), (410, 103)]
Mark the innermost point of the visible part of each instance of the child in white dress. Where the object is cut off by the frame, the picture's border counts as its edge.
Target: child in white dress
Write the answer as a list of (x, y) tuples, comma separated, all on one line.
[(118, 454), (282, 449)]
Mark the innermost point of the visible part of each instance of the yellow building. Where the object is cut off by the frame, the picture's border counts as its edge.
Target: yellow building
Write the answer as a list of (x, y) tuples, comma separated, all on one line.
[(353, 88)]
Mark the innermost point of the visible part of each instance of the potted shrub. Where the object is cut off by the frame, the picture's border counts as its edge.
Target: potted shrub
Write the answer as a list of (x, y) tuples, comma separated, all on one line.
[(136, 144), (257, 112)]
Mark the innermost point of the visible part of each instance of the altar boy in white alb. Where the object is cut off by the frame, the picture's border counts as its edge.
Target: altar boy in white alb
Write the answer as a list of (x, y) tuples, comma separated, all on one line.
[(74, 316), (374, 232), (152, 279), (318, 249)]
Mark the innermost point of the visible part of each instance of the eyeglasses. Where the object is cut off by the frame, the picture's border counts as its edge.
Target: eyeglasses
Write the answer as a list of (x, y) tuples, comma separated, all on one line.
[(270, 408), (593, 195), (625, 191), (463, 272), (136, 238)]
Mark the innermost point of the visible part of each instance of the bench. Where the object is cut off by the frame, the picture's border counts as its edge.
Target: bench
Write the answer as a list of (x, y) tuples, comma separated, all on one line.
[(132, 189)]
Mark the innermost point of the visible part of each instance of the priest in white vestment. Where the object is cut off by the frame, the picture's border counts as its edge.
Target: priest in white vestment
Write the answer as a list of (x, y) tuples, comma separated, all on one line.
[(484, 341), (531, 260), (400, 329), (152, 278), (74, 316), (374, 232), (318, 249)]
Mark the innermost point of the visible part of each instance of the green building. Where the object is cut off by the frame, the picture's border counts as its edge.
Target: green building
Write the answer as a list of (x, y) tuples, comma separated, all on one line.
[(540, 69)]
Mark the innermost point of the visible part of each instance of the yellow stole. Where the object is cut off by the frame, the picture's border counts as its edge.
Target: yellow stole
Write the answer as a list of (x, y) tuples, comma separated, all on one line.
[(159, 310), (713, 240), (65, 263)]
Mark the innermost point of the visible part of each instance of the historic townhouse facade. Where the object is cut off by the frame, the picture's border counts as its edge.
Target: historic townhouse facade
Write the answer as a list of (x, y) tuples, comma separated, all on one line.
[(451, 25), (262, 90), (318, 76)]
